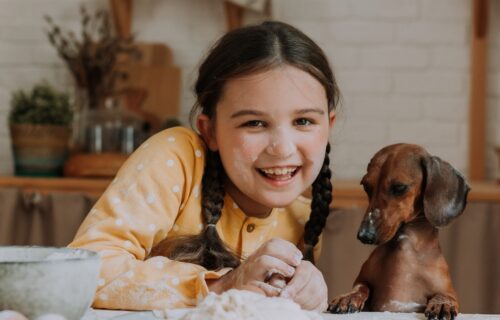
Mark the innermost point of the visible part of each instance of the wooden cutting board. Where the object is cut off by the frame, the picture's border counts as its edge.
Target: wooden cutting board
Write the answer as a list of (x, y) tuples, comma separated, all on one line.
[(156, 74), (154, 54), (162, 85)]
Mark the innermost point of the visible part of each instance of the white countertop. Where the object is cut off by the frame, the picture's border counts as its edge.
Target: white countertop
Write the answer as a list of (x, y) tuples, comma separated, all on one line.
[(147, 315)]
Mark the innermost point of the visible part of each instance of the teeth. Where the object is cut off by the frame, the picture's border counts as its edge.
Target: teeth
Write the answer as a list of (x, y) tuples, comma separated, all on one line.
[(279, 171)]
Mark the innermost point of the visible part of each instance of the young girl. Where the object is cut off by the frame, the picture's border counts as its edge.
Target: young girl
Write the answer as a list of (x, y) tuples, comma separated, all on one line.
[(188, 213)]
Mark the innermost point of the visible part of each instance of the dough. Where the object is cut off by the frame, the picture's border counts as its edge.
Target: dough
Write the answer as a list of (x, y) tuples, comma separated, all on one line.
[(11, 315), (244, 305)]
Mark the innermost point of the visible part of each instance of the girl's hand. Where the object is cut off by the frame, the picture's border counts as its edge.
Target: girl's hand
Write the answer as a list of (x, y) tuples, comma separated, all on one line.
[(274, 256), (307, 288)]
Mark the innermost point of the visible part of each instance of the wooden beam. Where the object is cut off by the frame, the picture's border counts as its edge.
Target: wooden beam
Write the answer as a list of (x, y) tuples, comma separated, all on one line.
[(478, 81), (122, 17), (234, 15)]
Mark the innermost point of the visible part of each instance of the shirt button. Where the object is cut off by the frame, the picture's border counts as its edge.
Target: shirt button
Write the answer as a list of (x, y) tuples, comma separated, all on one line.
[(250, 227)]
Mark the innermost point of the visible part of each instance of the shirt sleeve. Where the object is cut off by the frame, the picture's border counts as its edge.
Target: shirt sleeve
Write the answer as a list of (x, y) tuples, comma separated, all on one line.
[(134, 214)]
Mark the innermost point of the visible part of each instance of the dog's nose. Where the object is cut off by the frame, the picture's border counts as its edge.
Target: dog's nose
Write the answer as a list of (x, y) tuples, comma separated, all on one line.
[(367, 233)]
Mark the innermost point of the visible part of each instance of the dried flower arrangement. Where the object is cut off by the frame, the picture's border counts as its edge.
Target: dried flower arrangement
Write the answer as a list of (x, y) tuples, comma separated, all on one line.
[(93, 59)]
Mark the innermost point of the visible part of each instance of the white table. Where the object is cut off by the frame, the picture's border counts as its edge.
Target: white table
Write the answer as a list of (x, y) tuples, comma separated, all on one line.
[(109, 314)]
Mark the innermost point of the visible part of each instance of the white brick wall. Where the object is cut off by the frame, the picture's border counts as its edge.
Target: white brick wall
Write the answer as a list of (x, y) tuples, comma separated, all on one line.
[(402, 65)]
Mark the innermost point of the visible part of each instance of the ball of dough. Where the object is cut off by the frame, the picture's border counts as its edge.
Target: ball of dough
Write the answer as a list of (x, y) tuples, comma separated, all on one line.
[(11, 315)]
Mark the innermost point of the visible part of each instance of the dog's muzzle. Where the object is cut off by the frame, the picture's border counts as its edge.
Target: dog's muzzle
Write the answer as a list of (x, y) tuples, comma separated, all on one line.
[(367, 233)]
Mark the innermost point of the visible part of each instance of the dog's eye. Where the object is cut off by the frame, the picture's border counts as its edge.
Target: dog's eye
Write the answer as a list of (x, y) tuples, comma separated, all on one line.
[(398, 189)]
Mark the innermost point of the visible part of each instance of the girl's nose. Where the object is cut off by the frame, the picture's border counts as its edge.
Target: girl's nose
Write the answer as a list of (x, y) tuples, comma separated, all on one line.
[(281, 146)]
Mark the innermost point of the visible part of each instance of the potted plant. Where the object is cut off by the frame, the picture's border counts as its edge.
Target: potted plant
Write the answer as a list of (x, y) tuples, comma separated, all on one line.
[(40, 126)]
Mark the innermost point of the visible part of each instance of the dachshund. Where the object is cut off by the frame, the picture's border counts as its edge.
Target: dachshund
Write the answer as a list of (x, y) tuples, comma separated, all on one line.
[(411, 194)]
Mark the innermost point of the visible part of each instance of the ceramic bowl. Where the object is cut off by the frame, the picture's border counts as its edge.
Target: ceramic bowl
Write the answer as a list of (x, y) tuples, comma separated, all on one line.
[(47, 280)]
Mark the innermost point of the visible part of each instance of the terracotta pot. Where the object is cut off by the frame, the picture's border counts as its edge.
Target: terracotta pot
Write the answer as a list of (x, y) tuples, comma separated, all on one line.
[(39, 150)]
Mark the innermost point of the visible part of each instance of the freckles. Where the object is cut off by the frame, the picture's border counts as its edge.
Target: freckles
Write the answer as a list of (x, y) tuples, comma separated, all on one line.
[(246, 151), (315, 158), (316, 162), (239, 165)]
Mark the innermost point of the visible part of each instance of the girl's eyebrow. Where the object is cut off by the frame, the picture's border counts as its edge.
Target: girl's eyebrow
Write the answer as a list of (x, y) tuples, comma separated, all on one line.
[(260, 113), (247, 112), (307, 110)]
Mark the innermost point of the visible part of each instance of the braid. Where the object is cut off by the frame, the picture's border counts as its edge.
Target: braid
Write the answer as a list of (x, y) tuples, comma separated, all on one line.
[(205, 249), (320, 208), (215, 254), (212, 199)]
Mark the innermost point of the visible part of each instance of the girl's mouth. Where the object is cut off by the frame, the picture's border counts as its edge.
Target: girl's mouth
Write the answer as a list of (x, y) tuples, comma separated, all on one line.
[(278, 173)]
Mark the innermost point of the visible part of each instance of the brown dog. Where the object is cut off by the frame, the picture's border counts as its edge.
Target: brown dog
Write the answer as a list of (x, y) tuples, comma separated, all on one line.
[(411, 193)]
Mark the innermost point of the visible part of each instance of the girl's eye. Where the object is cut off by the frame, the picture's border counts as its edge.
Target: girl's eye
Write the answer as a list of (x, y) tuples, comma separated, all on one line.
[(254, 123), (303, 122)]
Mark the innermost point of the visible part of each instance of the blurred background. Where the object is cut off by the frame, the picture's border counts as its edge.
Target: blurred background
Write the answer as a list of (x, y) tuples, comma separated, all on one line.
[(403, 66), (115, 72)]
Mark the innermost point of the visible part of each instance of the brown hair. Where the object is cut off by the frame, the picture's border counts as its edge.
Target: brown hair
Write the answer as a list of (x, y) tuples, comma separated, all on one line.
[(242, 52)]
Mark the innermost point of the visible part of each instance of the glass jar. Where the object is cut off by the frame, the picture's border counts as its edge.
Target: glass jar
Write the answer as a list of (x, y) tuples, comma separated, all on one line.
[(113, 129)]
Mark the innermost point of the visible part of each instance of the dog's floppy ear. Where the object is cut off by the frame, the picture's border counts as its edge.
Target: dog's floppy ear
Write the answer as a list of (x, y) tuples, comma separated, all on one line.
[(445, 191)]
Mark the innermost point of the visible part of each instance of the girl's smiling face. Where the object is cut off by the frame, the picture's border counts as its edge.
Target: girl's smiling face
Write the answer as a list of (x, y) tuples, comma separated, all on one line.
[(271, 130)]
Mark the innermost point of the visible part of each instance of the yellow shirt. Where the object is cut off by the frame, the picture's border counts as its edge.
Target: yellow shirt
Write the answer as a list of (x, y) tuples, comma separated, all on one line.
[(157, 194)]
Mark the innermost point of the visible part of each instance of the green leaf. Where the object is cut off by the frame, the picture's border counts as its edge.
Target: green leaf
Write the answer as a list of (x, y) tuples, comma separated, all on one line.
[(42, 105)]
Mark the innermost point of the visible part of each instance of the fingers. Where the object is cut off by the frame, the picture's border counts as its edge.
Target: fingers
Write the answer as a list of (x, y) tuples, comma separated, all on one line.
[(269, 265), (314, 295), (307, 288), (277, 280), (281, 249), (302, 276), (260, 269), (264, 288), (275, 257)]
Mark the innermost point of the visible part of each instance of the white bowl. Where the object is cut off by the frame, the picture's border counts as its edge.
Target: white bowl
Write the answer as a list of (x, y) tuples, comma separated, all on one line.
[(47, 280)]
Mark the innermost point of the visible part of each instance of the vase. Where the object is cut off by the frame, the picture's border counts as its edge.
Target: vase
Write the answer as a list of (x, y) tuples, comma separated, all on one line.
[(111, 129), (81, 108), (104, 126), (39, 150)]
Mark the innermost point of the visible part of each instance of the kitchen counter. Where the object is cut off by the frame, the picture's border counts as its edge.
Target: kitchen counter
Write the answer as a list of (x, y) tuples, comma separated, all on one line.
[(147, 315)]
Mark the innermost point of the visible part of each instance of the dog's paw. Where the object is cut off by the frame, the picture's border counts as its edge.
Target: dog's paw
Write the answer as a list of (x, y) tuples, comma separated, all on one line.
[(348, 303), (441, 308)]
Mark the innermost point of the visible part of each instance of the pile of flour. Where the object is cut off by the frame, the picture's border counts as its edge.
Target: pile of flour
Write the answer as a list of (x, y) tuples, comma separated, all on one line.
[(242, 305), (65, 255)]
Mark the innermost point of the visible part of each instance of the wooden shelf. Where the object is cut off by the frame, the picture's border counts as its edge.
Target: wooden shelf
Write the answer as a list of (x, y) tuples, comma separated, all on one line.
[(91, 187), (346, 193)]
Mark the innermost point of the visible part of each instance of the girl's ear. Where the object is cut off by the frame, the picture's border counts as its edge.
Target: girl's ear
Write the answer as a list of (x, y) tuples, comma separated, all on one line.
[(331, 118), (207, 131)]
